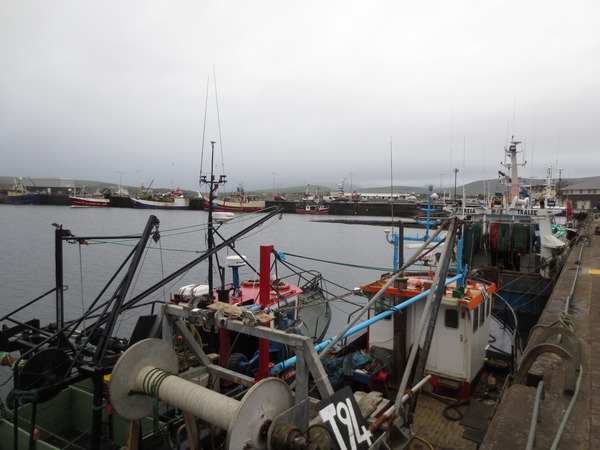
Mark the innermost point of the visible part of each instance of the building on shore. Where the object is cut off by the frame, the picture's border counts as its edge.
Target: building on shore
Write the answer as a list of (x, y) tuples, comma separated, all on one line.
[(584, 195), (49, 185)]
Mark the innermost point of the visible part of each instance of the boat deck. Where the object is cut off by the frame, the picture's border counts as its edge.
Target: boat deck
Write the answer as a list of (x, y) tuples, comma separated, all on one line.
[(433, 429)]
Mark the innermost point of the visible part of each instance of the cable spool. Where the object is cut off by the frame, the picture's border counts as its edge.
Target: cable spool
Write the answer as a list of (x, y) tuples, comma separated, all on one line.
[(147, 369)]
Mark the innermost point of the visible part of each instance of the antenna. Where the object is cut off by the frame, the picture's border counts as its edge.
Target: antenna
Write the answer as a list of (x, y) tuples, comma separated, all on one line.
[(514, 112), (464, 166), (204, 127), (219, 121), (532, 151), (558, 141), (451, 131), (392, 183)]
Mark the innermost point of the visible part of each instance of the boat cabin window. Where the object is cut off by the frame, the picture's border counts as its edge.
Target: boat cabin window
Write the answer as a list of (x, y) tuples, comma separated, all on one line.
[(383, 305), (487, 303), (451, 318), (481, 313), (475, 319)]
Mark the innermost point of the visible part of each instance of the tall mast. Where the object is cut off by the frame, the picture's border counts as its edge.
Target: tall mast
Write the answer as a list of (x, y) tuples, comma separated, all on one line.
[(511, 153), (213, 186)]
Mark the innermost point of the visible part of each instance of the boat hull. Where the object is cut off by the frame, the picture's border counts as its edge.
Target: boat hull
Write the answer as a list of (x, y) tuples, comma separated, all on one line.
[(85, 202), (67, 418), (177, 203), (25, 199)]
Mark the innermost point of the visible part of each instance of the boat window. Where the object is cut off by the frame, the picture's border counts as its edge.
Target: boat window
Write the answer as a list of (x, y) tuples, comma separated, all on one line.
[(451, 318), (475, 319), (481, 313), (487, 302), (383, 305)]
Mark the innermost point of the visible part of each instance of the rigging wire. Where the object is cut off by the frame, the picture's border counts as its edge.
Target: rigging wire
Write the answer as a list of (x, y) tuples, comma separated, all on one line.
[(219, 120), (392, 184)]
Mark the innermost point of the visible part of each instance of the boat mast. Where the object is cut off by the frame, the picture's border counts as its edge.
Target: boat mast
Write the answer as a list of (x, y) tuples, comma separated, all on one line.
[(214, 185), (59, 235), (511, 152)]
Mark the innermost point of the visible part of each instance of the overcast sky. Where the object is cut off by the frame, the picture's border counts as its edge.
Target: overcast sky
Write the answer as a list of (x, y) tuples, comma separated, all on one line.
[(307, 92)]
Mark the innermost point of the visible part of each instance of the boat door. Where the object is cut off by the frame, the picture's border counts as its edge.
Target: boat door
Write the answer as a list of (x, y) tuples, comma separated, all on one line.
[(449, 355)]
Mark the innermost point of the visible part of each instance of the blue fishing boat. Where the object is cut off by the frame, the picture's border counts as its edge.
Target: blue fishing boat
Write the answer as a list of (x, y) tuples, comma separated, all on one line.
[(18, 194)]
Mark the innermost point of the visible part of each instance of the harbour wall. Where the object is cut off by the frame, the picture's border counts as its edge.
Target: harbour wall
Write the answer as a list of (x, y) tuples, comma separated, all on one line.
[(359, 209), (338, 209)]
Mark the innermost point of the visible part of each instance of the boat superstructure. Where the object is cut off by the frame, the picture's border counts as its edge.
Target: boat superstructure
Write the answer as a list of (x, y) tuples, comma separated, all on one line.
[(514, 244)]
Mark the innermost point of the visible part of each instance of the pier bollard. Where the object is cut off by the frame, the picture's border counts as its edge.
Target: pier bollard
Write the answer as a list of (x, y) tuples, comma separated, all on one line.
[(148, 369)]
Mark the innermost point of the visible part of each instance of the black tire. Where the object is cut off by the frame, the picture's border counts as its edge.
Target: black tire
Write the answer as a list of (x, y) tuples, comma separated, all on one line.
[(233, 362)]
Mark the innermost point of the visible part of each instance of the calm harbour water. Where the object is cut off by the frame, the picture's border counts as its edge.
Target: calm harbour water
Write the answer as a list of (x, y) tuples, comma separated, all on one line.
[(27, 253), (27, 248)]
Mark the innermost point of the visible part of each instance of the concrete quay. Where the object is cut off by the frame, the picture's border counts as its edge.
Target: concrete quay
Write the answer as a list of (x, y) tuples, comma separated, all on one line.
[(569, 409)]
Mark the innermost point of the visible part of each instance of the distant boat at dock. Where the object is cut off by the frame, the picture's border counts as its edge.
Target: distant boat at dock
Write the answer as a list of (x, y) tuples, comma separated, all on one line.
[(237, 201), (173, 199), (312, 208), (85, 200), (19, 195)]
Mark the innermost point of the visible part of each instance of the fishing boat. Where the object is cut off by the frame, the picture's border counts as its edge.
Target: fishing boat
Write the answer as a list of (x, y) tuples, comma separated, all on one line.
[(238, 201), (514, 244), (464, 305), (83, 199), (310, 196), (312, 208), (561, 212), (20, 195), (434, 331), (62, 369), (338, 195), (172, 199)]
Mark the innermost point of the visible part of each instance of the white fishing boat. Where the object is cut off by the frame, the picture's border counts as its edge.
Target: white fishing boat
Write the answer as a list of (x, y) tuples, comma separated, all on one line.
[(172, 199)]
